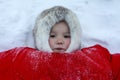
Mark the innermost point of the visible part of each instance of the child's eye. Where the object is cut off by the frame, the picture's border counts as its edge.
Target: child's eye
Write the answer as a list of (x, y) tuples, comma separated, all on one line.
[(52, 36), (67, 36)]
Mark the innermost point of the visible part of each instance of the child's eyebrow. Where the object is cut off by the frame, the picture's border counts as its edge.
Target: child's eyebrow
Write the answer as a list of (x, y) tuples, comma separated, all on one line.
[(67, 32), (52, 32)]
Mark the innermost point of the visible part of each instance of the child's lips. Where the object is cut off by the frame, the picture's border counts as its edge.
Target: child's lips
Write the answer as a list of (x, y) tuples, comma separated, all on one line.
[(59, 49)]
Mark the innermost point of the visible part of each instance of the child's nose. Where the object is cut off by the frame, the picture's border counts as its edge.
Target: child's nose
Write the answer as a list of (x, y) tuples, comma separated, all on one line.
[(60, 41)]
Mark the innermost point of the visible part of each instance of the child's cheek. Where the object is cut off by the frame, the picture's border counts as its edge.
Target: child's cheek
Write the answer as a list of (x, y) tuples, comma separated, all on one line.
[(68, 42)]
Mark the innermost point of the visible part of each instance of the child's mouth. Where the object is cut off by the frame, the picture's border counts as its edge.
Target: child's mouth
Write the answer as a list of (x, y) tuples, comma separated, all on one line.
[(59, 49)]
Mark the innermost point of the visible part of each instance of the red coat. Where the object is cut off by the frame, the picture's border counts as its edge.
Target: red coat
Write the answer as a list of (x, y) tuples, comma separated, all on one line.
[(92, 63)]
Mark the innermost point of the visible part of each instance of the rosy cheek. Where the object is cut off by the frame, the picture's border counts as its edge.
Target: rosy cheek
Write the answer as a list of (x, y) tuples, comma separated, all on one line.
[(50, 42), (67, 43)]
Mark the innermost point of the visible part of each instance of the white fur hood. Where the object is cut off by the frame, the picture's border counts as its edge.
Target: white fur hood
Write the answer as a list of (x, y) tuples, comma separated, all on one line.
[(50, 17)]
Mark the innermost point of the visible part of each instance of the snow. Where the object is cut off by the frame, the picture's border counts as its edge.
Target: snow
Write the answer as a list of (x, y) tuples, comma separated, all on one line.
[(99, 21)]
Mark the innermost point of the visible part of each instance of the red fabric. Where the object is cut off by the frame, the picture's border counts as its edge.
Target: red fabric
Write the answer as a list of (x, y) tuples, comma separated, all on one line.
[(92, 63), (115, 64)]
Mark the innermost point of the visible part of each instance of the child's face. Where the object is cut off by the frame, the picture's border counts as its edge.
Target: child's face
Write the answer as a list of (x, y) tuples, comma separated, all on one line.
[(60, 38)]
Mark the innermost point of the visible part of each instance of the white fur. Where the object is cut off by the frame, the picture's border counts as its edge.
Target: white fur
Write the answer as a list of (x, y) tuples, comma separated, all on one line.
[(45, 22)]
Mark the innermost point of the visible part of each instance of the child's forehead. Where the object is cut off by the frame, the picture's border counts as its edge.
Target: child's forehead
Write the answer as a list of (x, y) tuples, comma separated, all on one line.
[(55, 32), (60, 28)]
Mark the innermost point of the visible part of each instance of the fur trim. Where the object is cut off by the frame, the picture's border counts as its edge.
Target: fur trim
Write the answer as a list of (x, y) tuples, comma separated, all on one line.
[(50, 17)]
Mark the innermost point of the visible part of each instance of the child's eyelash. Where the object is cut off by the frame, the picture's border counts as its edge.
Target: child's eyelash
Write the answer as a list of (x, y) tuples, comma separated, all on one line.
[(67, 36), (52, 36)]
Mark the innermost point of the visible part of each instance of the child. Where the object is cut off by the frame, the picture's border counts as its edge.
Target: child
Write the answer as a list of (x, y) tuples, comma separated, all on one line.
[(56, 33), (54, 17)]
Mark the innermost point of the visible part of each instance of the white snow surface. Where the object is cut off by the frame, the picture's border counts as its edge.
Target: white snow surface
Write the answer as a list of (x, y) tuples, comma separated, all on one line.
[(99, 19)]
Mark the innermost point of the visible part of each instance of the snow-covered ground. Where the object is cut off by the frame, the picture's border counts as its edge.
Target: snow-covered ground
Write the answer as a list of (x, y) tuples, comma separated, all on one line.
[(99, 21)]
